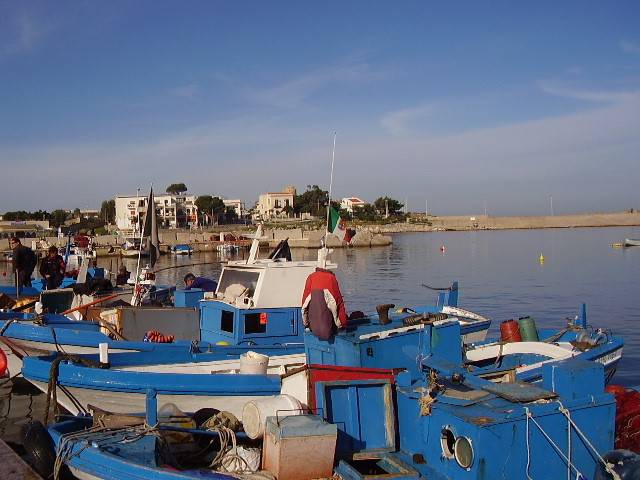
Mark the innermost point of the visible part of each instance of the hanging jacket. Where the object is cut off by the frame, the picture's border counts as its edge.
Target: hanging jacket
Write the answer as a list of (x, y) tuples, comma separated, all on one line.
[(322, 304)]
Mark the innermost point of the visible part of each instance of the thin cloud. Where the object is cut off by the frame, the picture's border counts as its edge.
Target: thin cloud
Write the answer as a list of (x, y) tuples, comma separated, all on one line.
[(190, 91), (559, 90), (22, 31), (630, 47), (294, 92), (400, 122)]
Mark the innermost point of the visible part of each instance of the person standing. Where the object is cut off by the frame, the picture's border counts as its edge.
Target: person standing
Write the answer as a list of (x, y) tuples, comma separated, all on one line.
[(52, 268), (24, 262)]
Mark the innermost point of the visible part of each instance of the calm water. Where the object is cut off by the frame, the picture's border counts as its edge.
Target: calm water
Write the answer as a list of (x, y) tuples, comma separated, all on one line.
[(499, 273)]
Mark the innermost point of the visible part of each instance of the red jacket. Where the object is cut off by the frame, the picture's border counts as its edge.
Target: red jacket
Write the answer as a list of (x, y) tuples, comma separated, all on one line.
[(323, 279)]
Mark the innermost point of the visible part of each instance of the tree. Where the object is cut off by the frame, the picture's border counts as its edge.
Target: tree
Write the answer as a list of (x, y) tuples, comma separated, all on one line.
[(77, 213), (209, 205), (58, 217), (108, 211), (176, 188), (366, 212), (287, 210), (313, 201), (383, 203)]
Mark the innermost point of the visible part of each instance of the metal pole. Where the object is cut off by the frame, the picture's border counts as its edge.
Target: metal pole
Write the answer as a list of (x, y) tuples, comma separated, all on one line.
[(333, 157), (551, 204)]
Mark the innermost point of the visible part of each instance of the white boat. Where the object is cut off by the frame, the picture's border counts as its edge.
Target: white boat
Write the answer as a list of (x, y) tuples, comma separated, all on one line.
[(631, 242), (132, 247)]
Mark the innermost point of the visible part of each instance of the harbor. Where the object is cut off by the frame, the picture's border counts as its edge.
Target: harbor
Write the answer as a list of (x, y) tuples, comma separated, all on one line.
[(338, 240), (364, 286)]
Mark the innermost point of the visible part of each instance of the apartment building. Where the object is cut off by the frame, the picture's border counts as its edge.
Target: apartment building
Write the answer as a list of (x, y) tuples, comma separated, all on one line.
[(174, 211)]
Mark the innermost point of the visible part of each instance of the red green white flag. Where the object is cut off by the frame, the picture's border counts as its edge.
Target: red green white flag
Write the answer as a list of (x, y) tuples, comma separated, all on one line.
[(337, 226)]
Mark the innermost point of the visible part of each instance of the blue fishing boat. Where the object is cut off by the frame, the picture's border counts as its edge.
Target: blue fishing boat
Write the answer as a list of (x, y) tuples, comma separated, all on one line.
[(436, 421), (257, 302), (182, 249)]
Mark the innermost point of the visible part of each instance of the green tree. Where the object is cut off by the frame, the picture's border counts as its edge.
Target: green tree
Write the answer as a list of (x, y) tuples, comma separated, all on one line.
[(108, 211), (288, 210), (394, 207), (313, 200), (176, 188), (210, 205), (77, 213), (366, 212), (58, 217)]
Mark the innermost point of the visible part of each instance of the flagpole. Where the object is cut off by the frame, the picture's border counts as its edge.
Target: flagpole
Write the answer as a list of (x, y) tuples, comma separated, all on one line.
[(333, 157)]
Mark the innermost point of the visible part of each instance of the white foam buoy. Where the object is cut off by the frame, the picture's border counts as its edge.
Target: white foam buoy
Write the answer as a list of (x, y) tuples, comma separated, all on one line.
[(104, 352)]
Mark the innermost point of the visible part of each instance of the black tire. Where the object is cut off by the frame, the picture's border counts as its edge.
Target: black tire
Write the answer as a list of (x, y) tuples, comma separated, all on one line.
[(39, 447)]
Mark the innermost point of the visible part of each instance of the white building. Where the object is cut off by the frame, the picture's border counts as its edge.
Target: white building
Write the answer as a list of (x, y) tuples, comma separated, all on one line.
[(174, 211), (238, 206), (349, 203), (274, 204)]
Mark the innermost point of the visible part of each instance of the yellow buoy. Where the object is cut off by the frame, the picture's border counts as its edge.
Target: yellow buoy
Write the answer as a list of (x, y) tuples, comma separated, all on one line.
[(541, 258)]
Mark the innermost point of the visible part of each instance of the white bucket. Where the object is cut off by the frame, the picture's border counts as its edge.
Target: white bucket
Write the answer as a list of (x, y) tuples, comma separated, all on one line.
[(255, 412), (254, 363)]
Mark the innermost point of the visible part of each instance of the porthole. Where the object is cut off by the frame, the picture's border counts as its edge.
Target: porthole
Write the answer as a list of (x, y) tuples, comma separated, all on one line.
[(463, 452)]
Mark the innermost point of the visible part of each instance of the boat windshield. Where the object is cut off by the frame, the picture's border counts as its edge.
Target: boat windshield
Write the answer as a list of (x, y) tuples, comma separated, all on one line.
[(247, 279)]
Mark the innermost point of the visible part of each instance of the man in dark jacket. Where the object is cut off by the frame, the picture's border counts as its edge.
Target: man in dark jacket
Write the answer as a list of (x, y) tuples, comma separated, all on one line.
[(52, 268), (206, 284), (24, 262)]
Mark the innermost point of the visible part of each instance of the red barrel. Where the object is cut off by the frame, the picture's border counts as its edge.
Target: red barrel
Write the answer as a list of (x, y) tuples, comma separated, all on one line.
[(510, 331)]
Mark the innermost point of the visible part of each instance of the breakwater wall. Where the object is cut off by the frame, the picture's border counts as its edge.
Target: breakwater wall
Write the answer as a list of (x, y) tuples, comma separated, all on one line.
[(487, 222)]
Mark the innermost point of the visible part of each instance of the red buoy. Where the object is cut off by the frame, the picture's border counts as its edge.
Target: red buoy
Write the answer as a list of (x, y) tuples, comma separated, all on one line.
[(3, 363), (510, 331)]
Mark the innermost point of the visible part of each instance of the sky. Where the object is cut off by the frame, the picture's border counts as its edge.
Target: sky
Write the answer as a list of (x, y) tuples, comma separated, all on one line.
[(458, 106)]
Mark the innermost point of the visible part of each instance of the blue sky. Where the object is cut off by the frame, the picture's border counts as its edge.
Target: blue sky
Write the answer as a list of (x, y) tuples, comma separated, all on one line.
[(464, 105)]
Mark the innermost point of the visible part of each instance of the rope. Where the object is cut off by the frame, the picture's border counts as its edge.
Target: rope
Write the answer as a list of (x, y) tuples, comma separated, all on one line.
[(190, 265), (608, 466), (551, 442), (437, 289), (52, 392)]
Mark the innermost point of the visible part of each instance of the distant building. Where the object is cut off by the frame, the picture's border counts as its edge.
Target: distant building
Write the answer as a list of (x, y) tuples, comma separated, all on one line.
[(89, 213), (274, 204), (174, 211), (349, 203), (238, 206), (26, 228)]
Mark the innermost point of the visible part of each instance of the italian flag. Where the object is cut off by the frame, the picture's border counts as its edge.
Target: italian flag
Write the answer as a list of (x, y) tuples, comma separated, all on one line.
[(337, 227)]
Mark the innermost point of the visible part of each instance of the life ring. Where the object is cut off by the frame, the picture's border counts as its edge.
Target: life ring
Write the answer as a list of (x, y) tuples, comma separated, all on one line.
[(39, 448)]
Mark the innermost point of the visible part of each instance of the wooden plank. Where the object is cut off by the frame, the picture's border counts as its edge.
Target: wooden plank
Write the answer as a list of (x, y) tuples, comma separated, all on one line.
[(13, 467)]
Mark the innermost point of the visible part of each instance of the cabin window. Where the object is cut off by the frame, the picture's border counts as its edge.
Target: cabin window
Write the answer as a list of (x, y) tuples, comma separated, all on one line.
[(252, 324), (247, 279), (226, 321)]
